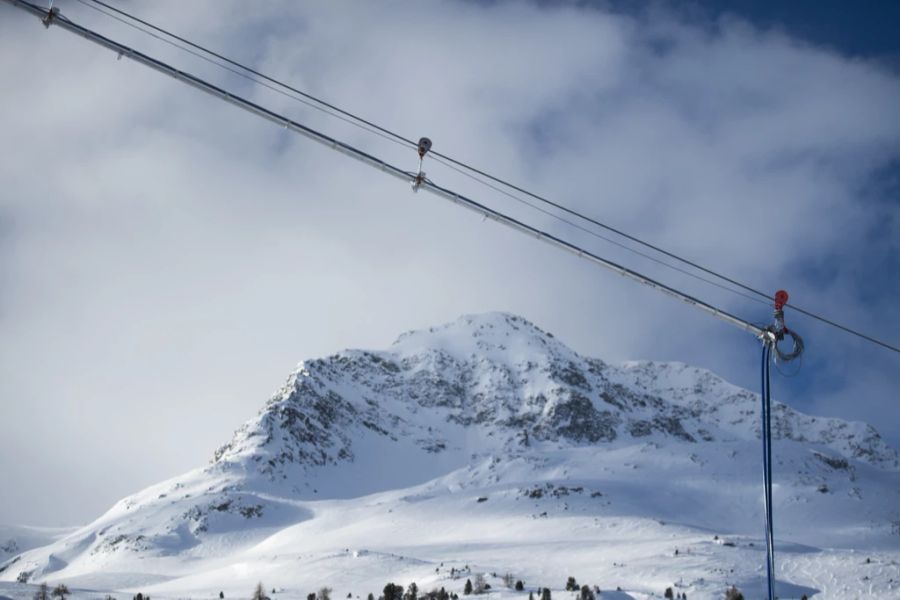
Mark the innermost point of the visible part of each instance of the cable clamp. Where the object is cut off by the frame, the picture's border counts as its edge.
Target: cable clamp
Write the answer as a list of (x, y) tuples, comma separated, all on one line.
[(419, 179), (51, 15)]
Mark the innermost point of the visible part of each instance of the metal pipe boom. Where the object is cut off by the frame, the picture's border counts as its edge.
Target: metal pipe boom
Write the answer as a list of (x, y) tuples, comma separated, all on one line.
[(53, 17)]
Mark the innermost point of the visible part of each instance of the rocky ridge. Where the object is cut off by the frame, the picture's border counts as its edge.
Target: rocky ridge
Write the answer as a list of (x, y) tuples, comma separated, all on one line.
[(515, 384)]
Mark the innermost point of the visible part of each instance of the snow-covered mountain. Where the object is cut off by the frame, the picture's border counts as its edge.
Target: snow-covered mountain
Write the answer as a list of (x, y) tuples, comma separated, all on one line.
[(486, 445)]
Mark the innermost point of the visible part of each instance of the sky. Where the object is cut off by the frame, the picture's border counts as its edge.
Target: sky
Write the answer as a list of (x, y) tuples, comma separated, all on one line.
[(166, 259)]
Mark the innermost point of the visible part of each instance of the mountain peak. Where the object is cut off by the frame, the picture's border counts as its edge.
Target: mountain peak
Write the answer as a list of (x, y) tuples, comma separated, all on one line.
[(495, 383), (501, 336)]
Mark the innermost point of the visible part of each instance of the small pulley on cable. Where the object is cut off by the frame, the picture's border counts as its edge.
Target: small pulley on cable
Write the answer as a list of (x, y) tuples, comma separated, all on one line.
[(778, 330), (419, 179)]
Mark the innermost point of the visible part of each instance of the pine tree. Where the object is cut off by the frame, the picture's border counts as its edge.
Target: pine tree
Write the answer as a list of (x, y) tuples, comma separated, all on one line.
[(733, 594), (545, 594), (392, 591), (519, 585), (258, 594), (669, 594), (412, 592), (60, 591), (571, 584), (42, 593), (467, 589), (221, 595)]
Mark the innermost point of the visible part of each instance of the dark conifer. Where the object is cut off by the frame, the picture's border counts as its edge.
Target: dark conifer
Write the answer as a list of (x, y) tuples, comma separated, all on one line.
[(42, 593), (258, 594), (733, 594)]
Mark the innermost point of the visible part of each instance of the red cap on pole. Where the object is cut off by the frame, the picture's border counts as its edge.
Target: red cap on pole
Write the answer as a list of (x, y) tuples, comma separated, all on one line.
[(781, 298)]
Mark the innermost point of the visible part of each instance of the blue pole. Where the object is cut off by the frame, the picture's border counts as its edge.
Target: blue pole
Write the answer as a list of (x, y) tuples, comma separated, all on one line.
[(766, 434)]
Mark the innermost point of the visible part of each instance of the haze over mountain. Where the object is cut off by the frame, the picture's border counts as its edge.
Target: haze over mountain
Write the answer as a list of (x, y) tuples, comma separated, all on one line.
[(488, 446)]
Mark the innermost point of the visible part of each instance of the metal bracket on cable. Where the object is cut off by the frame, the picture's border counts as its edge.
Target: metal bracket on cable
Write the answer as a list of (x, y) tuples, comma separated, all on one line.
[(777, 331), (51, 15), (419, 179)]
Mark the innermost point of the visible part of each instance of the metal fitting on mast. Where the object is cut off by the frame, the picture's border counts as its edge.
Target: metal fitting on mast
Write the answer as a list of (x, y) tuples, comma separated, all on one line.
[(778, 330), (419, 179)]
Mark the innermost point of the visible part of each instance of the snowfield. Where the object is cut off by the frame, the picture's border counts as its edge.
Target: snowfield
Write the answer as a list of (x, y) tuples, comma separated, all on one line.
[(486, 446)]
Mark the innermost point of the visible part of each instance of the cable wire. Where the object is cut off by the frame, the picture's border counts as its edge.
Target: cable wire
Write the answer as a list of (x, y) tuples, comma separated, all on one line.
[(374, 128), (393, 136), (371, 128), (388, 134), (53, 18)]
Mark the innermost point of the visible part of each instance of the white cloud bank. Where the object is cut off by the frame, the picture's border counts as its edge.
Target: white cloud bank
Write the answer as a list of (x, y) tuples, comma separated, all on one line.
[(165, 259)]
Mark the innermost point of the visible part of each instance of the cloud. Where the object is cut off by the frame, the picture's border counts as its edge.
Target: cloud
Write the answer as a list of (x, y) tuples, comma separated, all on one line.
[(165, 259)]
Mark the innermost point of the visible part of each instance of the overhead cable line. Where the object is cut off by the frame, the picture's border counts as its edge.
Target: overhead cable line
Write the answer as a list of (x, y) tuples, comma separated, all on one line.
[(347, 117), (53, 17), (372, 127), (386, 133), (390, 136), (400, 138)]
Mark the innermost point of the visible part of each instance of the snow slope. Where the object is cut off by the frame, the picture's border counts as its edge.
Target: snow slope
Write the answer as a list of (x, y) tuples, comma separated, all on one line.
[(488, 446), (15, 539)]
